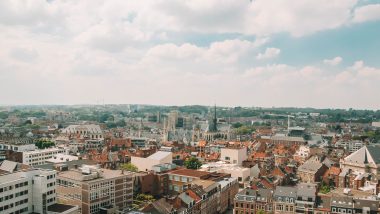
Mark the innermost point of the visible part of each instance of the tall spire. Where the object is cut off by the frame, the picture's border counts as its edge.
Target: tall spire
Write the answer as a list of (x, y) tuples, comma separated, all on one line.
[(214, 121)]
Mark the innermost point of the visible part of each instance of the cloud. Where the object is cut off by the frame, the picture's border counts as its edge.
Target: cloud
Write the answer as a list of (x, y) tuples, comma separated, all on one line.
[(269, 53), (156, 52), (334, 61), (367, 13)]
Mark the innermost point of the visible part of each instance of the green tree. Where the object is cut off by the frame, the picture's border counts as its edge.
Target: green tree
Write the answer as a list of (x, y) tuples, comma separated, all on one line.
[(129, 167), (43, 144), (193, 163), (261, 212)]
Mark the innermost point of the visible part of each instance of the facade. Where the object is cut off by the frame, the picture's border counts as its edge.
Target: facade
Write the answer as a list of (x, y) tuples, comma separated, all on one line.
[(93, 189), (252, 201), (350, 145), (306, 198), (311, 171), (229, 187), (287, 140), (234, 155), (84, 131), (29, 191), (284, 200)]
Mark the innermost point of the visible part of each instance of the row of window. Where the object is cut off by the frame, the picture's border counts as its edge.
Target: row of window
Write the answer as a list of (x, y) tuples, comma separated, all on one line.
[(50, 184), (180, 178), (51, 176), (21, 202), (4, 189), (25, 192), (21, 184)]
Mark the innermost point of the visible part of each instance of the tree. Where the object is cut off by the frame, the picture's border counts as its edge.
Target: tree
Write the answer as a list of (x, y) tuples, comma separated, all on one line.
[(43, 144), (261, 212), (193, 163), (129, 167)]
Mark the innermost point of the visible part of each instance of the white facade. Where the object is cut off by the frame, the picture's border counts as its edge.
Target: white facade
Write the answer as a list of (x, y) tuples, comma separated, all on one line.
[(16, 147), (61, 158), (40, 156), (234, 156), (89, 131), (351, 146), (27, 191), (146, 164)]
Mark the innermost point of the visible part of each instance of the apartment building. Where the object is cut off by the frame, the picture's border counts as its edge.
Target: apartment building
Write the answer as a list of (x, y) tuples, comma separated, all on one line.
[(29, 191), (284, 199), (253, 201), (94, 189)]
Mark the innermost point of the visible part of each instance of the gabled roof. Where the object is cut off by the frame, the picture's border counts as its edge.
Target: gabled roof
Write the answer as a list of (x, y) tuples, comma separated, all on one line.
[(366, 155)]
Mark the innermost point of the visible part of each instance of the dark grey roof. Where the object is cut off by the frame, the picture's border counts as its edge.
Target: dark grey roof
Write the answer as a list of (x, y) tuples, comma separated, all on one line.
[(306, 190), (372, 204), (282, 191), (342, 201), (253, 195)]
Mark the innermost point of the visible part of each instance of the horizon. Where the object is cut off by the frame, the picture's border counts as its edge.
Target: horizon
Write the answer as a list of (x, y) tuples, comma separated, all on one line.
[(173, 106)]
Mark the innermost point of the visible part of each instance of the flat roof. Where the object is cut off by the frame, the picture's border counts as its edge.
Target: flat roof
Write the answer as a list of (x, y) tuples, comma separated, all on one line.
[(59, 208), (189, 172), (105, 174)]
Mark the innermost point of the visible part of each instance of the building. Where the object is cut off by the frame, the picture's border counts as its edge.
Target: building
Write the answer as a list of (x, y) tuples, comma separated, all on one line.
[(302, 154), (350, 145), (229, 187), (365, 160), (93, 189), (284, 200), (287, 140), (40, 156), (253, 201), (146, 164), (312, 170), (306, 198), (89, 131), (233, 155), (18, 145), (27, 190), (178, 180)]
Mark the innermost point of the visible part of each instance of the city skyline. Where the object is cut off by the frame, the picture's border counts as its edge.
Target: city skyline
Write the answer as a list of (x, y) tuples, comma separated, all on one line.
[(323, 54)]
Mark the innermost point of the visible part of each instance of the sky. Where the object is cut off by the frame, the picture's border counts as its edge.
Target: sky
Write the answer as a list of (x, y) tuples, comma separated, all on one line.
[(263, 53)]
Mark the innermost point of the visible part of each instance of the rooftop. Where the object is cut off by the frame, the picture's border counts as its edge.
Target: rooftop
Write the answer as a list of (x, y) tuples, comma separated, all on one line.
[(189, 172)]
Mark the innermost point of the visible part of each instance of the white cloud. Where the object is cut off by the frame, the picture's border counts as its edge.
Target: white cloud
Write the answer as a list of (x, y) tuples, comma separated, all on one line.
[(367, 13), (129, 52), (269, 53), (334, 61)]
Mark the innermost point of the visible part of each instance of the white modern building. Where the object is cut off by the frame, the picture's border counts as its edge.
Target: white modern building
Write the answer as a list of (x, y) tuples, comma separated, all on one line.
[(17, 147), (146, 164), (40, 156), (233, 155), (351, 145), (28, 191)]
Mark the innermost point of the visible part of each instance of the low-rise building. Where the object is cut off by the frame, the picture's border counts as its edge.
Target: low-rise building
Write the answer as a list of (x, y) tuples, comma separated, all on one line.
[(284, 200), (253, 201)]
